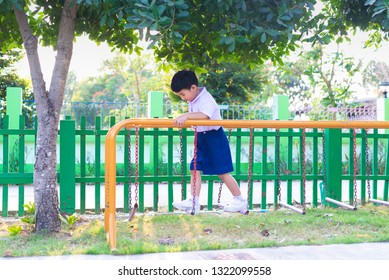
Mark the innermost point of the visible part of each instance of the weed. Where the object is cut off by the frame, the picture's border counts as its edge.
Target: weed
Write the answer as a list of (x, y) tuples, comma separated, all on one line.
[(29, 217), (14, 229), (69, 221)]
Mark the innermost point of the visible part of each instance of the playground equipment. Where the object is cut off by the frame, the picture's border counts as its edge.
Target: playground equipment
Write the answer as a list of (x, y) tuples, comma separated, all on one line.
[(110, 151)]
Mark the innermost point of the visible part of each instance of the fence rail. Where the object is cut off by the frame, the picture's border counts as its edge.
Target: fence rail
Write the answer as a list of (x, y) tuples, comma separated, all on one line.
[(160, 160)]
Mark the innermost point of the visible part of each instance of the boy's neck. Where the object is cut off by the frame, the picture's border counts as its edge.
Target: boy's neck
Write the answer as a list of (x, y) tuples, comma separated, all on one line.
[(197, 91)]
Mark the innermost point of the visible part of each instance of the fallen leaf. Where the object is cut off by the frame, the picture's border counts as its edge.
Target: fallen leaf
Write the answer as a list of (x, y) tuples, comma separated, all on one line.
[(265, 232), (7, 253), (166, 241)]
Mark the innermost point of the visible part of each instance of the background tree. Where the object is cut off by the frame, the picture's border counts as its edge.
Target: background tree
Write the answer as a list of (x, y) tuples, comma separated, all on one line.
[(330, 75), (70, 86), (10, 78), (374, 73), (231, 82), (121, 79), (371, 16)]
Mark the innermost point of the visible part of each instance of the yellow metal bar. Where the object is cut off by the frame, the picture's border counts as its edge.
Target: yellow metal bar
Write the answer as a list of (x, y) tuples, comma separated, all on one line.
[(110, 149), (169, 123)]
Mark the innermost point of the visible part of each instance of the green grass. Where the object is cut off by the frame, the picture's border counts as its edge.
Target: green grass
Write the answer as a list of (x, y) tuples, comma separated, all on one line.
[(148, 233)]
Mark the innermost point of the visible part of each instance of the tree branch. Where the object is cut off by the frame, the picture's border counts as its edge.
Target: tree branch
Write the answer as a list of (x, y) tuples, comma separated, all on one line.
[(64, 53), (30, 43)]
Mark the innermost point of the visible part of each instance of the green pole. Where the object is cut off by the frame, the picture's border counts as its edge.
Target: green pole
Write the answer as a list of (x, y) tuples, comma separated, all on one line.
[(21, 167), (281, 112), (67, 177), (155, 162), (333, 154), (155, 104), (280, 107), (97, 164), (170, 168), (4, 210), (383, 115), (14, 106), (14, 110)]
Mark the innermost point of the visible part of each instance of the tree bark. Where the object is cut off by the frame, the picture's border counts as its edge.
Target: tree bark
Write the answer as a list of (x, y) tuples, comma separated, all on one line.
[(48, 106)]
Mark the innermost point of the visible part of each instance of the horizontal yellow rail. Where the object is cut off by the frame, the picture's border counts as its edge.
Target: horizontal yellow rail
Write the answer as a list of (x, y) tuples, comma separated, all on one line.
[(110, 148), (169, 123)]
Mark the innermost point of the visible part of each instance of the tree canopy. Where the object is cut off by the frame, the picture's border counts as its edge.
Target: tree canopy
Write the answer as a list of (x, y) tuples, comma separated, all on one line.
[(234, 30)]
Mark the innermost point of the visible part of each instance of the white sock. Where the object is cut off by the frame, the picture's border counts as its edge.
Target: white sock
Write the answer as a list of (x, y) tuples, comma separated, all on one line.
[(239, 197)]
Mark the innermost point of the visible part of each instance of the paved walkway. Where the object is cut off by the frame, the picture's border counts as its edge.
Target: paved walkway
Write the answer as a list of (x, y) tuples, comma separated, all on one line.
[(359, 251)]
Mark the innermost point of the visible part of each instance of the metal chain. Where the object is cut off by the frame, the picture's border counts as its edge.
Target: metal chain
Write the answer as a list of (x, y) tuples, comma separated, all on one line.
[(355, 165), (129, 171), (194, 170), (250, 167), (136, 165), (221, 182), (304, 165), (182, 164), (368, 169), (277, 147)]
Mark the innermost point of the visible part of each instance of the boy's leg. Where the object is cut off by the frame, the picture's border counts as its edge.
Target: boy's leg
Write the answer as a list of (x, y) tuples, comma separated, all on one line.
[(238, 203), (231, 184), (198, 183)]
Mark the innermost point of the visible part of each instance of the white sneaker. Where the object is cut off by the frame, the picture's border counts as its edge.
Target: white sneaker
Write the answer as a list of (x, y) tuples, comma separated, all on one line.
[(236, 205), (187, 206)]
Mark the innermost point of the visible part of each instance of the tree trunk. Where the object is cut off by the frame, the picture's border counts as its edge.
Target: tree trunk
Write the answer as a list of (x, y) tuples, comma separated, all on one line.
[(48, 106)]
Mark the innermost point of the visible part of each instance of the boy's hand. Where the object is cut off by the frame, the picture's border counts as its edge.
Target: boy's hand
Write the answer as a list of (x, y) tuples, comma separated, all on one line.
[(180, 120)]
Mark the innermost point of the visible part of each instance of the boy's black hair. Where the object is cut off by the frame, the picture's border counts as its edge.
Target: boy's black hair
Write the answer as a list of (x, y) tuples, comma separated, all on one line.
[(183, 79)]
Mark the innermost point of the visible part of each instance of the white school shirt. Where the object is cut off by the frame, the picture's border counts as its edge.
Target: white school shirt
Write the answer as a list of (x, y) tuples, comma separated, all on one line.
[(207, 105)]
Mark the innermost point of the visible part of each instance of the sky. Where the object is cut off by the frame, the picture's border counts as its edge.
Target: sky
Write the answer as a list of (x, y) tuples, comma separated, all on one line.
[(86, 61)]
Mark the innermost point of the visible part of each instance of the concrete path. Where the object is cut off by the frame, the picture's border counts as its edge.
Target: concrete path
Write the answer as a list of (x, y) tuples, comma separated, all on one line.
[(359, 251)]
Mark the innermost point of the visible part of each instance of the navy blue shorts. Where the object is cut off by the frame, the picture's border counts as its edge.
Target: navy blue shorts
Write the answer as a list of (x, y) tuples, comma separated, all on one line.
[(213, 153)]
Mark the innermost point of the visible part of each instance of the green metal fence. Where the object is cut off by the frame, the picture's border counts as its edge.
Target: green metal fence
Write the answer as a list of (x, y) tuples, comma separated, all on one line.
[(292, 157)]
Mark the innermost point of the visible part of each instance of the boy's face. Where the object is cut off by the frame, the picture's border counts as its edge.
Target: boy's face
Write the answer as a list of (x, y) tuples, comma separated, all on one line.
[(188, 94)]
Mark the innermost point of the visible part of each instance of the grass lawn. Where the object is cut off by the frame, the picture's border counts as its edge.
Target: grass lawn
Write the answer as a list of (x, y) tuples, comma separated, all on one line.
[(151, 233)]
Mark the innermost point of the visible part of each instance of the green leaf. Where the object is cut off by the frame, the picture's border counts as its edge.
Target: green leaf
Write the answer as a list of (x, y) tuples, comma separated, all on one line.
[(263, 37), (182, 14), (63, 219), (165, 21), (228, 40), (103, 20), (120, 15), (231, 47), (370, 2), (184, 26), (14, 229)]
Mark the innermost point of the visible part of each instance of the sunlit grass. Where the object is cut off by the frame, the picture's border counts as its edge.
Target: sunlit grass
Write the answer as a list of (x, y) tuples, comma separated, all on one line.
[(148, 233)]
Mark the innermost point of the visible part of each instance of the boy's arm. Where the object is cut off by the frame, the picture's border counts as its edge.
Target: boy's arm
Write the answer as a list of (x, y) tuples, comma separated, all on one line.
[(190, 116)]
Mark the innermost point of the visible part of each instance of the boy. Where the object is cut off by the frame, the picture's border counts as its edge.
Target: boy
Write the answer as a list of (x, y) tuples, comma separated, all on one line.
[(213, 150)]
